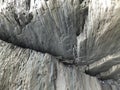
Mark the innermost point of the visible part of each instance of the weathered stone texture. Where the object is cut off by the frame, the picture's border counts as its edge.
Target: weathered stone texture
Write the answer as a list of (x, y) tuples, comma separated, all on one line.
[(24, 69), (71, 38)]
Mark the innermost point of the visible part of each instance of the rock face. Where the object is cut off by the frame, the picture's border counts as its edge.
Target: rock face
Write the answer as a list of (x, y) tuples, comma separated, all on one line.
[(24, 69), (59, 45), (47, 26), (100, 44), (100, 37)]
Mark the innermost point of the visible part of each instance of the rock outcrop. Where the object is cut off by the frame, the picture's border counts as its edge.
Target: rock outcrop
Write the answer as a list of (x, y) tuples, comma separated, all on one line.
[(101, 48), (24, 69), (47, 26), (59, 45)]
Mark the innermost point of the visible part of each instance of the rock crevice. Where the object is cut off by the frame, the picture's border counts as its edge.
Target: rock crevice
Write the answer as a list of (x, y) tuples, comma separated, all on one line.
[(71, 38)]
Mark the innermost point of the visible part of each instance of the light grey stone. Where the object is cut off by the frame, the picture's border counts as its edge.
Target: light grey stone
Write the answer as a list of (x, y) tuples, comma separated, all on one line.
[(81, 36), (47, 26), (24, 69), (98, 45)]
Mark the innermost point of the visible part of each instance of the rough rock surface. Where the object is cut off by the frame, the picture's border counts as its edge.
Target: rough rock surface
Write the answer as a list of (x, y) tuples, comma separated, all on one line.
[(47, 26), (99, 43), (24, 69), (81, 37)]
